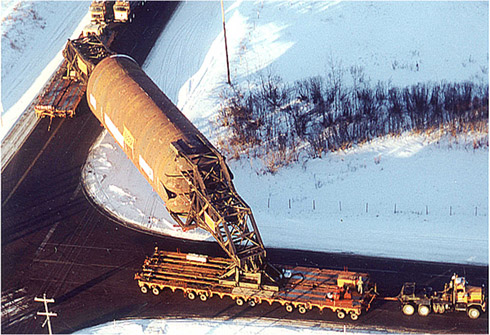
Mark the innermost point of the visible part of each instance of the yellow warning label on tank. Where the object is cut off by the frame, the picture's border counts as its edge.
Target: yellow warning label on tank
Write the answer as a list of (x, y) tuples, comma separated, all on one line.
[(128, 138)]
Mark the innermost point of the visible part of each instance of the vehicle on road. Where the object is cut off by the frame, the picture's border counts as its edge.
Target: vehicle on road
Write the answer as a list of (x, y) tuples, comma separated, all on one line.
[(456, 296), (294, 287)]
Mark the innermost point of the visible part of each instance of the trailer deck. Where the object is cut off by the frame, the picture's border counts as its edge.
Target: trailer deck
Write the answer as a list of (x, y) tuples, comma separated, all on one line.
[(67, 86), (61, 97), (301, 288)]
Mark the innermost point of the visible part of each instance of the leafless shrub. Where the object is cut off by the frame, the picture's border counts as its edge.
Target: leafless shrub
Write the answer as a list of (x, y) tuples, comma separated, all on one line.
[(273, 119)]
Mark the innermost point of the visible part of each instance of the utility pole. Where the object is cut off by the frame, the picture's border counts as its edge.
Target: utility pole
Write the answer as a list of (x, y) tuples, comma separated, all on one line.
[(47, 313), (226, 43)]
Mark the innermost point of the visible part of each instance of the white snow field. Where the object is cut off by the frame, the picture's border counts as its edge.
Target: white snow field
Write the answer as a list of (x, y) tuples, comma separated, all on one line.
[(33, 36), (415, 196), (218, 326)]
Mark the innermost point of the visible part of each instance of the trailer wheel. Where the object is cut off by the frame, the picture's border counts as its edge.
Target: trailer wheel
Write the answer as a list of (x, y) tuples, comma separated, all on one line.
[(340, 314), (155, 290), (191, 295), (408, 309), (252, 303), (289, 308), (354, 316), (144, 289), (424, 310), (203, 297), (473, 313), (239, 301)]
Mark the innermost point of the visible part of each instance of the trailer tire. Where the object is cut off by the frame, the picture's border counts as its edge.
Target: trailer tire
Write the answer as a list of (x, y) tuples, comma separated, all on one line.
[(144, 289), (302, 309), (252, 303), (239, 301), (354, 316), (423, 310), (203, 297), (340, 314), (473, 313), (155, 290), (289, 308), (408, 309), (191, 295)]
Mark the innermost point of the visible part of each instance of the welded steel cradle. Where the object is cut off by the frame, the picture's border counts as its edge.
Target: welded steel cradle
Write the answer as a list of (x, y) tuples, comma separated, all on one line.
[(67, 87), (181, 165)]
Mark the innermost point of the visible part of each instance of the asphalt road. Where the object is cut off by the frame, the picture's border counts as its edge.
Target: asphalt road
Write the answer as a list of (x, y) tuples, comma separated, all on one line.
[(55, 241)]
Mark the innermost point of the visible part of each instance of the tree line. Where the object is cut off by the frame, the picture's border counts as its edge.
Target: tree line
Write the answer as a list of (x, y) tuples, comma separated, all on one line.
[(275, 121)]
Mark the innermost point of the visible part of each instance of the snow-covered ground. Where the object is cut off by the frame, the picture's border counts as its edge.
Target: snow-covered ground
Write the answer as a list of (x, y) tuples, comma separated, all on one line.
[(345, 202), (33, 36), (216, 326), (402, 42), (395, 197), (134, 200)]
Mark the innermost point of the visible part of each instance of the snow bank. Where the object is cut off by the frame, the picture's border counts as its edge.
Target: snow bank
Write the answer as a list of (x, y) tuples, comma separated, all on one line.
[(33, 35), (413, 197), (116, 185), (407, 197), (217, 326)]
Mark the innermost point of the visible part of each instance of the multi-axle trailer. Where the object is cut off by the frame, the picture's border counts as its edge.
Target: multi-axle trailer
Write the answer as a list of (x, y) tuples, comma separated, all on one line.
[(296, 287)]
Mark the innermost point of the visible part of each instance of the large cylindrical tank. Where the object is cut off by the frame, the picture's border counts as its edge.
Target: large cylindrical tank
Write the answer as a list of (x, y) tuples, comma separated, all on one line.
[(144, 122)]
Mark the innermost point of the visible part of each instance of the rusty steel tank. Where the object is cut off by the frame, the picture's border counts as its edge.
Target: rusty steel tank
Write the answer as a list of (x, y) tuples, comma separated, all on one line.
[(145, 123), (181, 165)]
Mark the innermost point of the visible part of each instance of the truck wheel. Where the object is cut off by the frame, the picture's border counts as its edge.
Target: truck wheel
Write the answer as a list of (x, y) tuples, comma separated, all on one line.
[(203, 297), (424, 310), (289, 308), (302, 309), (191, 295), (252, 303), (408, 309), (354, 316), (239, 301), (340, 314), (473, 313), (144, 289), (156, 290)]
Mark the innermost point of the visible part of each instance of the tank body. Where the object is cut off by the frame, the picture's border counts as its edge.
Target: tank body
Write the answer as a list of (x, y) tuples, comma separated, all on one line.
[(144, 122)]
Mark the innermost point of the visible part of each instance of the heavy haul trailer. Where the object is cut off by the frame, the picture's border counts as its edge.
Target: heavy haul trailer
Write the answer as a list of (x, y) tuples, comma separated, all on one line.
[(301, 288), (61, 97), (67, 87)]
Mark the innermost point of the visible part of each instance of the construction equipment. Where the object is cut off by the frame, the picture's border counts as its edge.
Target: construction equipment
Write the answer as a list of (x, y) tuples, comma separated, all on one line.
[(456, 296)]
